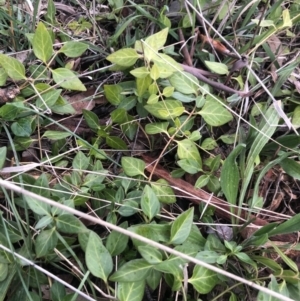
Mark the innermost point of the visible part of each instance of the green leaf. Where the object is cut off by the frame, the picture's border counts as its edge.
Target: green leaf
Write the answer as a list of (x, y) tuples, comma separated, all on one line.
[(97, 258), (149, 203), (203, 279), (74, 48), (42, 43), (67, 79), (157, 128), (132, 271), (56, 135), (216, 67), (45, 242), (184, 82), (49, 98), (9, 111), (117, 242), (131, 291), (133, 166), (167, 109), (50, 15), (57, 290), (81, 161), (153, 43), (37, 206), (214, 113), (116, 143), (113, 94), (291, 225), (291, 167), (62, 107), (14, 69), (124, 57), (230, 176), (187, 149), (69, 224), (181, 227), (140, 72), (142, 85), (208, 256), (163, 191), (22, 127), (189, 165), (91, 119), (3, 151), (3, 77), (3, 271), (150, 254), (202, 181)]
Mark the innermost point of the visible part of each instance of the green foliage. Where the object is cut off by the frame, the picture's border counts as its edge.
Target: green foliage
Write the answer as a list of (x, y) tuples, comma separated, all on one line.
[(192, 127)]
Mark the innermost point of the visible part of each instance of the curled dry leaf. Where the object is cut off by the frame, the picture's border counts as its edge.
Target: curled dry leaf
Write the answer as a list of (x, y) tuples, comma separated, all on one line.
[(8, 93), (217, 45)]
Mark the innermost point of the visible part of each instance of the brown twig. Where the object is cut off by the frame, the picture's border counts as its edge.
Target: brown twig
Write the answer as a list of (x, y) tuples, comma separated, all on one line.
[(219, 86), (222, 208)]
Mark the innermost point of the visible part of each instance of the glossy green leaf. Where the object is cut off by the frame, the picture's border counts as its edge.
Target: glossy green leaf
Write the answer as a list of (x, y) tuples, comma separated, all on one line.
[(203, 279), (134, 270), (156, 128), (50, 17), (184, 82), (56, 135), (150, 254), (14, 69), (152, 44), (202, 181), (62, 107), (140, 72), (124, 57), (37, 206), (68, 223), (142, 85), (49, 98), (291, 167), (3, 151), (81, 161), (167, 109), (149, 203), (216, 67), (116, 143), (133, 166), (57, 290), (131, 291), (187, 149), (214, 113), (45, 242), (163, 191), (230, 176), (117, 242), (181, 227), (166, 65), (73, 48), (208, 256), (97, 258), (9, 111), (22, 127), (3, 271), (91, 119), (113, 94), (189, 165), (289, 226), (3, 77), (67, 79), (42, 43)]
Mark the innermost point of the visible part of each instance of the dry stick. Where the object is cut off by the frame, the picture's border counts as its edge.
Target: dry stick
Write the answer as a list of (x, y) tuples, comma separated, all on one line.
[(219, 86), (223, 209), (185, 52)]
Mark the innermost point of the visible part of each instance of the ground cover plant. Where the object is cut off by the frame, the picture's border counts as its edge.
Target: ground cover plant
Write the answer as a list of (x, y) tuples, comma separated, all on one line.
[(149, 150)]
